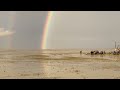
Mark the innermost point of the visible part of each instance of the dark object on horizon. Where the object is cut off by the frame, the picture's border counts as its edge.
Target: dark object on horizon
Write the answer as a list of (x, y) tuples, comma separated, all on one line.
[(101, 52), (96, 52), (80, 52), (92, 52), (116, 52)]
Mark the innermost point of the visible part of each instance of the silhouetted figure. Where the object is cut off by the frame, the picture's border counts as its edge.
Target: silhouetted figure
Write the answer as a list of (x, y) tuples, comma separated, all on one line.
[(96, 52), (92, 52), (80, 52)]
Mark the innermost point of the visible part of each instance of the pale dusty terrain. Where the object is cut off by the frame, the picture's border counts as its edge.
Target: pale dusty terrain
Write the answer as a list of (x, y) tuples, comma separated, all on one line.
[(57, 64)]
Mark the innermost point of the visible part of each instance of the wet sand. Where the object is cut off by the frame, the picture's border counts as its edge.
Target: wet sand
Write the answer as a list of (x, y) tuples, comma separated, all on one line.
[(57, 64)]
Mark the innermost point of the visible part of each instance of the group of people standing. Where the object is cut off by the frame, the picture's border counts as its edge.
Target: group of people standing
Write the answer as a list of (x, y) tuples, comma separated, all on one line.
[(96, 52)]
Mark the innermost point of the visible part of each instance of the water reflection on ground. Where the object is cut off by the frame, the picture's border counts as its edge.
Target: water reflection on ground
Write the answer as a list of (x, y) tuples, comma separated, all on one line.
[(57, 64)]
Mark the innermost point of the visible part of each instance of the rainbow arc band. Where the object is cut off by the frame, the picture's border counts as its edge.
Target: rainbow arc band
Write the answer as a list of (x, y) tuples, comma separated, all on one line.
[(46, 29)]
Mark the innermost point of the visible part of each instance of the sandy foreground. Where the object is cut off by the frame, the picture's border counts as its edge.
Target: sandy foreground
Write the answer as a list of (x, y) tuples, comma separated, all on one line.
[(57, 64)]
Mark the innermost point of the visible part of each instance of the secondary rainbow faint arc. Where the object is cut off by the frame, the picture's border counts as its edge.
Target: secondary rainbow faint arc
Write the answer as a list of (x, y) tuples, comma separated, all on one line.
[(46, 29), (11, 26)]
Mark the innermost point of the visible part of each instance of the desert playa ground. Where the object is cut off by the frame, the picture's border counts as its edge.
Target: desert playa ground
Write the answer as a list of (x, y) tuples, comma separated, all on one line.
[(57, 64)]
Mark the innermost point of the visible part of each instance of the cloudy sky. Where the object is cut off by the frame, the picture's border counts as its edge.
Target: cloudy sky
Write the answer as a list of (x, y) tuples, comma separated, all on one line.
[(81, 29), (68, 29), (28, 27)]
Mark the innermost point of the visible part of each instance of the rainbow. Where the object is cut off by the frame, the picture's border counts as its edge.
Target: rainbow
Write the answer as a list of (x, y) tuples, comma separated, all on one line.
[(46, 29), (12, 18)]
